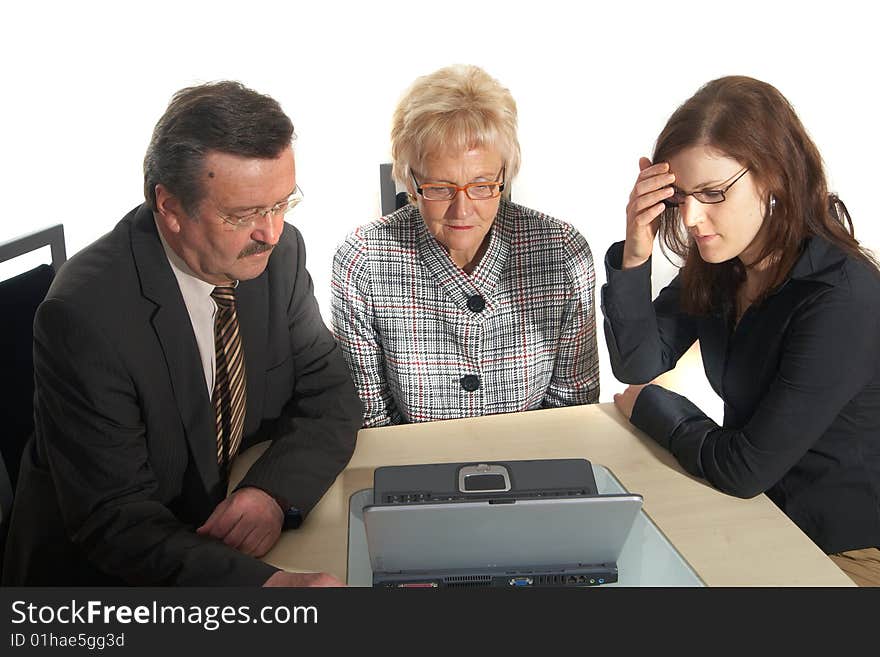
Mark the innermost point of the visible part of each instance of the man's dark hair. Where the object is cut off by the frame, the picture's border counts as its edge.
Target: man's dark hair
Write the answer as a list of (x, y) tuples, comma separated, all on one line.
[(218, 116)]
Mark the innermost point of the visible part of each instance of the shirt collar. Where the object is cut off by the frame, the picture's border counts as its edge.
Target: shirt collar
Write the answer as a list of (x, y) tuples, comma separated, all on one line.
[(191, 286)]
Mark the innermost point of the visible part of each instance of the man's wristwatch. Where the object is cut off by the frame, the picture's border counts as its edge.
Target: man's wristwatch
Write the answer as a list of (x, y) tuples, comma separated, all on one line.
[(292, 516)]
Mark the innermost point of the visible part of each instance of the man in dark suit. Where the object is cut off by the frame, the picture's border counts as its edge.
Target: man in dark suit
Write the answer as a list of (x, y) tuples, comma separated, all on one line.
[(186, 334)]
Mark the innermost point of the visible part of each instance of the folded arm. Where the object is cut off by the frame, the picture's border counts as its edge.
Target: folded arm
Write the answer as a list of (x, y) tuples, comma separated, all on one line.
[(830, 354), (315, 436)]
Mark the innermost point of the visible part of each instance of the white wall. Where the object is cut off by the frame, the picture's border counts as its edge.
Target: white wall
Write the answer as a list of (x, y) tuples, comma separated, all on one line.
[(84, 83)]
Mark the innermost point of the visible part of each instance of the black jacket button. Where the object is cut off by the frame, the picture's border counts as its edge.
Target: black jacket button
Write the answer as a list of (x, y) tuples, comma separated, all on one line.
[(470, 382), (476, 303)]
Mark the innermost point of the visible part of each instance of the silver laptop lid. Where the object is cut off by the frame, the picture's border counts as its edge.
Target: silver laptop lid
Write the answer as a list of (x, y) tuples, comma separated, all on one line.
[(580, 530)]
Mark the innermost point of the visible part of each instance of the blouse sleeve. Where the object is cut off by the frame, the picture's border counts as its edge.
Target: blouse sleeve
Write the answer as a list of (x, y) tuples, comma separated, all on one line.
[(575, 377), (644, 339), (354, 326)]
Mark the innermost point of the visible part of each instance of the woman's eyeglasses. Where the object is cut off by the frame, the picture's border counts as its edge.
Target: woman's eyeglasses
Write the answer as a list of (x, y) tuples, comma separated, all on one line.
[(707, 196)]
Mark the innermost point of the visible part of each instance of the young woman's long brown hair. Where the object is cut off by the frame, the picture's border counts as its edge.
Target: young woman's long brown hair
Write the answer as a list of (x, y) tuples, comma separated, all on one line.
[(751, 122)]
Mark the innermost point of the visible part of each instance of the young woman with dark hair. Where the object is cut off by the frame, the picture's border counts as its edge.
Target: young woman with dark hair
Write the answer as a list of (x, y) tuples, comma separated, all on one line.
[(784, 302)]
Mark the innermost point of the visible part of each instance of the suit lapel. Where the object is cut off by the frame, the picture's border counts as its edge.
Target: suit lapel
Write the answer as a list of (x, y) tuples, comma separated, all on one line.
[(174, 331), (252, 304)]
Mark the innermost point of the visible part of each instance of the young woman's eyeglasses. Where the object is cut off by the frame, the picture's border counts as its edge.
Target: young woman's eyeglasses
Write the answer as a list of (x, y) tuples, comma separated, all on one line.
[(476, 191), (707, 196), (249, 218)]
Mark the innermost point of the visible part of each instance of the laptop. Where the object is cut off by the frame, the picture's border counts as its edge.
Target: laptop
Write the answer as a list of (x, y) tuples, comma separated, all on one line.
[(495, 540), (494, 480)]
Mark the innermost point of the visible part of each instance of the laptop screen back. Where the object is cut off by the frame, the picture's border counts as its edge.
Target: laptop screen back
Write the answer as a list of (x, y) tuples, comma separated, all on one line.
[(581, 530)]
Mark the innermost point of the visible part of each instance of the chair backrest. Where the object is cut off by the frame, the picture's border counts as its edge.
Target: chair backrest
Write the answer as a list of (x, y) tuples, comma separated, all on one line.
[(391, 199), (19, 298), (5, 498)]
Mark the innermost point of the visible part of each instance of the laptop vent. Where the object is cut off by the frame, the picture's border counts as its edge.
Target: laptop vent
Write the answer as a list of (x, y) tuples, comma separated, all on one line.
[(460, 581)]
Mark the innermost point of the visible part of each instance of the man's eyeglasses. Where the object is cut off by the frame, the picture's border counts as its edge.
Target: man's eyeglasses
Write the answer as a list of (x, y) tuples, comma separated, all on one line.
[(707, 196), (476, 191), (250, 218)]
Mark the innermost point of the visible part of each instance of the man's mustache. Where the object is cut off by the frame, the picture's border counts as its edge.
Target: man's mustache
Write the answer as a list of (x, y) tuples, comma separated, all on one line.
[(255, 248)]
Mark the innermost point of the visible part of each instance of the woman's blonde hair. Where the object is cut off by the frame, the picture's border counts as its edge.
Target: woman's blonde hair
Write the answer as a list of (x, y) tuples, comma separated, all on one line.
[(456, 108)]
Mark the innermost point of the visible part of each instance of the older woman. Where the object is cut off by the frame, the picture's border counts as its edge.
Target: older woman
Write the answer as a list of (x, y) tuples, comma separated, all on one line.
[(786, 306), (462, 303)]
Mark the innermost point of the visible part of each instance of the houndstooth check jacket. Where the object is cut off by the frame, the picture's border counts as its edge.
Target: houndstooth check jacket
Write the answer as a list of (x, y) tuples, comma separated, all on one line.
[(426, 341)]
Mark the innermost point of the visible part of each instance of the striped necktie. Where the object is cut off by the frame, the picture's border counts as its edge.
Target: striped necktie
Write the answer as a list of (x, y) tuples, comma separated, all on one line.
[(229, 381)]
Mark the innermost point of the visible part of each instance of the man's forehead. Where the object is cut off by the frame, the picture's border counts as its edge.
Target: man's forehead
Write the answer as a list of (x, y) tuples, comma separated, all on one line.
[(236, 179), (219, 163)]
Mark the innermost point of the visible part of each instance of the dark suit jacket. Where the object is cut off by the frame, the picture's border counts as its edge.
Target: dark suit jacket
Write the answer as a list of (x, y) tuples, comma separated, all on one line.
[(800, 380), (122, 466)]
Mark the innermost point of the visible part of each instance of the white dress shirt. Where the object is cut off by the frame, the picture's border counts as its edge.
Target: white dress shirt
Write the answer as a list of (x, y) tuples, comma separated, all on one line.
[(201, 307)]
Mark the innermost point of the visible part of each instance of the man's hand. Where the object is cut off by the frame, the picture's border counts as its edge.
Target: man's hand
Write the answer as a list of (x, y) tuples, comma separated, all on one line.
[(249, 520), (282, 578)]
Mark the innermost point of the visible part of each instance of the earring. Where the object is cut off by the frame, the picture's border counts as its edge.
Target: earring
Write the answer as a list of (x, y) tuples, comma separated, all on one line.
[(772, 205), (412, 199)]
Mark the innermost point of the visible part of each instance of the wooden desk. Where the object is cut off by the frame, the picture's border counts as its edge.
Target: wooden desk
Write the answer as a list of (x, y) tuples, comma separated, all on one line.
[(728, 541)]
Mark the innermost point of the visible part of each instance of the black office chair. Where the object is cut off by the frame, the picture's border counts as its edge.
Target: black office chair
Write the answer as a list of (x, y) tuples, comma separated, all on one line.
[(5, 503), (19, 298), (391, 198)]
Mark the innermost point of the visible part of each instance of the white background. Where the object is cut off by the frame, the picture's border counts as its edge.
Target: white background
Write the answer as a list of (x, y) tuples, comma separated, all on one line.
[(85, 82)]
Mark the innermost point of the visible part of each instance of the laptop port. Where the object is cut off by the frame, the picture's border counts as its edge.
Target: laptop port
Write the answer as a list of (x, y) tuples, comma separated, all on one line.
[(417, 585), (521, 581)]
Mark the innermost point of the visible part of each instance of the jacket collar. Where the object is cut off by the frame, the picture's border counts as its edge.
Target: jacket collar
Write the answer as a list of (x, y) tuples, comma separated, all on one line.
[(820, 261), (459, 285)]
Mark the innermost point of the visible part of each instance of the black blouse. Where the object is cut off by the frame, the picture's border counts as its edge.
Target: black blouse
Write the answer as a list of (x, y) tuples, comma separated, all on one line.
[(800, 380)]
